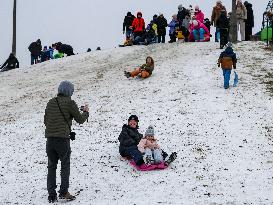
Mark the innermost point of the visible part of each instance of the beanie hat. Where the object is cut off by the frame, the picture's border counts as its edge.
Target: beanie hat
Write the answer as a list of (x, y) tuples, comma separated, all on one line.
[(150, 131), (196, 8), (133, 117), (66, 88), (180, 7), (229, 44)]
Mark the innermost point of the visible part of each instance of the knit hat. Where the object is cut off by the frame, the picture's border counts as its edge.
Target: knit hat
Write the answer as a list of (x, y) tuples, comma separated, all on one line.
[(133, 117), (150, 131), (66, 88), (229, 44), (196, 8), (180, 7)]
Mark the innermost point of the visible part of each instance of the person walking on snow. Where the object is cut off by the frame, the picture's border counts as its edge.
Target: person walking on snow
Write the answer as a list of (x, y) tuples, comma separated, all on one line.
[(10, 63), (59, 113), (143, 71), (216, 12), (241, 14), (227, 61)]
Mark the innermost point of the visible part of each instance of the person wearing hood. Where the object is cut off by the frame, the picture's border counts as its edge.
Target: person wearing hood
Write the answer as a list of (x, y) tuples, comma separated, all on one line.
[(227, 61), (199, 15), (59, 113), (10, 63), (241, 14), (127, 23), (216, 12), (138, 25), (199, 31), (35, 49), (223, 24), (182, 13), (249, 21), (161, 28)]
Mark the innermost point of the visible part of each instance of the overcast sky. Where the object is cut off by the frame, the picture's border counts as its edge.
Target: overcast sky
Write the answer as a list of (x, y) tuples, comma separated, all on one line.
[(86, 23)]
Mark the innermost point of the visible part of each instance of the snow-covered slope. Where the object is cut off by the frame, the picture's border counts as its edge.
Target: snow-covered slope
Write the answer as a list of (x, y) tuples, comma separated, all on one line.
[(222, 136)]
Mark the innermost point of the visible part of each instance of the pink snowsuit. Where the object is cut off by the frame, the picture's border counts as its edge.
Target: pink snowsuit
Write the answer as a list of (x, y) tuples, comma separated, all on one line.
[(200, 25), (199, 15), (145, 143)]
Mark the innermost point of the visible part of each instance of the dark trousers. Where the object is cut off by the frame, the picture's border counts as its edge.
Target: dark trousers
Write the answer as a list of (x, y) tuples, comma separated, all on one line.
[(58, 149), (173, 38), (223, 37), (161, 39), (248, 32), (34, 59), (132, 152)]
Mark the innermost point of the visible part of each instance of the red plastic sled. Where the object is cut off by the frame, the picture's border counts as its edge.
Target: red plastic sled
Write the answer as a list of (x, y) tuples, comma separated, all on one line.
[(145, 167)]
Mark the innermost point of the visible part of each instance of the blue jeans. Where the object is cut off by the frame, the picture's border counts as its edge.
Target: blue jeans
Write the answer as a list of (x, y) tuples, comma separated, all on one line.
[(134, 153), (198, 34), (226, 74), (217, 34), (129, 33), (155, 154)]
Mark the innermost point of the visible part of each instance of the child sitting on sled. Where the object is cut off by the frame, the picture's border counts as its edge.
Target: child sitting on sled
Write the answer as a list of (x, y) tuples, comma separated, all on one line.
[(151, 150), (144, 71)]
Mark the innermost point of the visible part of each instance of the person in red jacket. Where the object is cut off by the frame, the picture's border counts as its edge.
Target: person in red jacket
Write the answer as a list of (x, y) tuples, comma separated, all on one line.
[(138, 25)]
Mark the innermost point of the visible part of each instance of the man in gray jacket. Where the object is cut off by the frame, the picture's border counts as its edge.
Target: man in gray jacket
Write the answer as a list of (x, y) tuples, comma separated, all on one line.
[(59, 113)]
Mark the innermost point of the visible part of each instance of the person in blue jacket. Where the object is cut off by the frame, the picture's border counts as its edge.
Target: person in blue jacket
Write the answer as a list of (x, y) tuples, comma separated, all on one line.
[(173, 25)]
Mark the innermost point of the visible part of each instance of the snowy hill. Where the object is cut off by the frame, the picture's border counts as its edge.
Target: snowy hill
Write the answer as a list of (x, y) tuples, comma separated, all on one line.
[(223, 137)]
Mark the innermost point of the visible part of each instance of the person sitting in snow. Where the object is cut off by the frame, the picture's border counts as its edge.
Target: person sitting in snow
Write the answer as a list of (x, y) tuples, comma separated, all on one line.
[(130, 139), (148, 146), (227, 61), (143, 71), (10, 63), (199, 31)]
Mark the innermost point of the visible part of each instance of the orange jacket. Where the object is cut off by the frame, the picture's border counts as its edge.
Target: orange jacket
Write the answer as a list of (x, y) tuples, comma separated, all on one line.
[(138, 25)]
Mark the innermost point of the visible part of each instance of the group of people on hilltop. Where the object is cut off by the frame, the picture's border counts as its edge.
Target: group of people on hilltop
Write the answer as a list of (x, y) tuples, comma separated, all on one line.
[(57, 50), (188, 25)]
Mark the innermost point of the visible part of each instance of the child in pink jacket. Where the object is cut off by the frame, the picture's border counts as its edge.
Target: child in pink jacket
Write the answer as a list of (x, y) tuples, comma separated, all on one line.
[(200, 31), (148, 146)]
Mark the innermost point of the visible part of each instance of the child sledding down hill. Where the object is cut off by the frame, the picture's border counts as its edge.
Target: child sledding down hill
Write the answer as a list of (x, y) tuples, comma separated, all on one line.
[(148, 146), (133, 145), (143, 71)]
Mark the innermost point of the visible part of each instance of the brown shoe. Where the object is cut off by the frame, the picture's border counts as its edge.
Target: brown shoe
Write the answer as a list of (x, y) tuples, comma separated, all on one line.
[(67, 196)]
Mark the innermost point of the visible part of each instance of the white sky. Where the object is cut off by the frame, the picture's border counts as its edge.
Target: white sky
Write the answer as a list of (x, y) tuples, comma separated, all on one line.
[(86, 23)]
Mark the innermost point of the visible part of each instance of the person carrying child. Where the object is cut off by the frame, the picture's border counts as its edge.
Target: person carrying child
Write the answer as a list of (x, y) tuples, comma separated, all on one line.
[(227, 61), (143, 71)]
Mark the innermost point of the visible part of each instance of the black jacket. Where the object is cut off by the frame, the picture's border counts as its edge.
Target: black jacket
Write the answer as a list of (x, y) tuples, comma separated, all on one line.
[(128, 20), (128, 137), (250, 15), (64, 48), (10, 63), (182, 14), (35, 48), (222, 22), (161, 26)]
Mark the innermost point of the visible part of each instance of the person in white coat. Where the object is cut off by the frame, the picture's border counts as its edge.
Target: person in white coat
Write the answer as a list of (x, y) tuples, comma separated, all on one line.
[(241, 14)]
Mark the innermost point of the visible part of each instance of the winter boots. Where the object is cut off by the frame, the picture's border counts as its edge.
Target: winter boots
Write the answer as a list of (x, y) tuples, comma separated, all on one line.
[(67, 196), (52, 198), (172, 157), (127, 74)]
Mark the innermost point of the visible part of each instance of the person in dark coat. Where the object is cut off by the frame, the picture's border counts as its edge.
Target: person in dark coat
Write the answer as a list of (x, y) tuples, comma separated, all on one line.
[(59, 113), (129, 139), (161, 28), (35, 49), (223, 24), (127, 23), (182, 13), (64, 48), (10, 63), (250, 20)]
